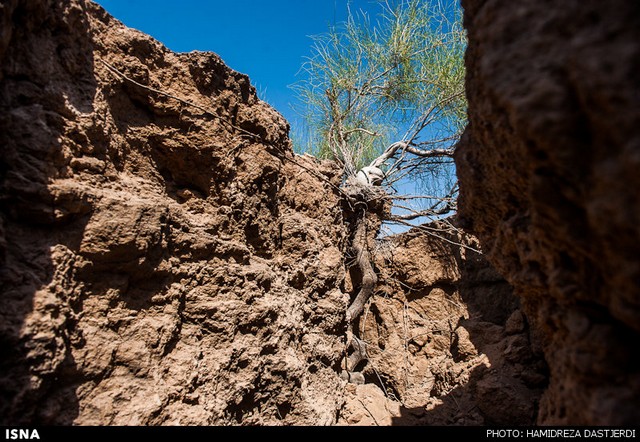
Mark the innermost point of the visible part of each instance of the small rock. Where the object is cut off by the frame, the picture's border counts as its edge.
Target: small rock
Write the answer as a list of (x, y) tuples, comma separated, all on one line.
[(464, 346), (353, 377), (518, 349), (515, 324), (88, 164)]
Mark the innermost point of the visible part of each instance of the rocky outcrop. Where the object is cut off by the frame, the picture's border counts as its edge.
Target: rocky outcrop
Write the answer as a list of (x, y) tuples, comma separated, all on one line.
[(166, 259), (446, 340), (548, 170)]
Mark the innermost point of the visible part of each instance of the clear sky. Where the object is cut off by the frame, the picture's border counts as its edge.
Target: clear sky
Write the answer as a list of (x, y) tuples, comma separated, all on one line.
[(265, 39)]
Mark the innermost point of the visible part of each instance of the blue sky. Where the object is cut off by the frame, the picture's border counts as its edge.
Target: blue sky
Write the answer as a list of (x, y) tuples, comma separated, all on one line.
[(265, 39)]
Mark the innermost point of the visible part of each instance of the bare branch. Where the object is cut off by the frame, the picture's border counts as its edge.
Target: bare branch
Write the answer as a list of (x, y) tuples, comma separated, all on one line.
[(415, 197), (406, 147), (432, 232), (423, 213), (431, 153), (359, 129)]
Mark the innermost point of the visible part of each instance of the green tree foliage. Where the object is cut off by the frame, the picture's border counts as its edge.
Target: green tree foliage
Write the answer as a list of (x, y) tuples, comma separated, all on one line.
[(388, 91)]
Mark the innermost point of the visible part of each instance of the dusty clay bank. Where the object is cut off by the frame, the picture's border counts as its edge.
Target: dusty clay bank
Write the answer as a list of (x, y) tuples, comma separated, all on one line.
[(548, 170)]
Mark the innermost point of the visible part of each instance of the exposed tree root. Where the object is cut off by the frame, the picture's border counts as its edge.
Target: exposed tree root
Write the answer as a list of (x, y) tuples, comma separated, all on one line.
[(355, 351), (363, 260), (359, 353), (365, 207)]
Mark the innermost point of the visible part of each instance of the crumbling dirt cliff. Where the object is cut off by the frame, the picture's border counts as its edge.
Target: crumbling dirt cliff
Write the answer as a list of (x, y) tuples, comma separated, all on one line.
[(548, 170), (446, 340), (164, 261)]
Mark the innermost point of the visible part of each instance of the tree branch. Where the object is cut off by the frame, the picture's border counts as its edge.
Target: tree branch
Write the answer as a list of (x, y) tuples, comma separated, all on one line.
[(429, 212), (406, 147)]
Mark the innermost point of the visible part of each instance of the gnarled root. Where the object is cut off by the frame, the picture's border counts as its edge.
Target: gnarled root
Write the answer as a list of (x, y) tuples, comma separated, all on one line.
[(359, 353), (363, 260), (368, 283), (351, 361)]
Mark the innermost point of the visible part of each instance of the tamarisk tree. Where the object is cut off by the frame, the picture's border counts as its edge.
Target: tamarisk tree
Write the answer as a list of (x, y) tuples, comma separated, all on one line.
[(387, 95), (384, 97)]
